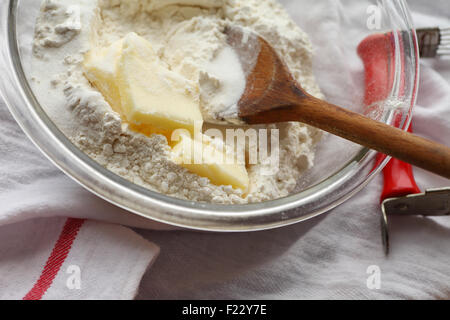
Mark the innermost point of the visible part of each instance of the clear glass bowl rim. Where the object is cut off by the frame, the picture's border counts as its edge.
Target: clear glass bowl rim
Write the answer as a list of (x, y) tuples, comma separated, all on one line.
[(309, 203)]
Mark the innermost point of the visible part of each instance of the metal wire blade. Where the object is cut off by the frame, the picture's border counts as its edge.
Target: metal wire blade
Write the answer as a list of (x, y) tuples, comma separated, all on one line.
[(434, 42)]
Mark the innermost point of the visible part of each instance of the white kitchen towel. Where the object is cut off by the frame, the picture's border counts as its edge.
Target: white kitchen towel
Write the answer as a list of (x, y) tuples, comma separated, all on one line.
[(61, 258), (327, 257)]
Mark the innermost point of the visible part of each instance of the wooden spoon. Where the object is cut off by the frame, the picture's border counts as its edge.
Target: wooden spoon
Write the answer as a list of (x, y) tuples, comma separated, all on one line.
[(272, 95)]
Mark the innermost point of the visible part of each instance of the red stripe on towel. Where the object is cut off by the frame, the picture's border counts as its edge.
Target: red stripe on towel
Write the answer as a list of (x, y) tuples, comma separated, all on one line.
[(56, 259)]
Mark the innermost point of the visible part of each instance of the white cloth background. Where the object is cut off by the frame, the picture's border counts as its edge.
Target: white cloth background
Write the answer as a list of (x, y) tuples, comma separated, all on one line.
[(323, 258)]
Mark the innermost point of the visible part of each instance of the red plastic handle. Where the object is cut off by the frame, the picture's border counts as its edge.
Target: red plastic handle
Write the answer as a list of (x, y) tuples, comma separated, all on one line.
[(398, 180), (376, 52)]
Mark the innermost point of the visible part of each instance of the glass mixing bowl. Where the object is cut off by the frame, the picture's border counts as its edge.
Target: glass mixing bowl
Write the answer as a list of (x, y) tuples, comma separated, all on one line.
[(342, 168)]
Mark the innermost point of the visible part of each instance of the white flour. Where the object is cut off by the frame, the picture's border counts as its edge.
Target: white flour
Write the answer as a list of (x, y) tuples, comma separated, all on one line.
[(57, 25), (188, 38), (222, 83)]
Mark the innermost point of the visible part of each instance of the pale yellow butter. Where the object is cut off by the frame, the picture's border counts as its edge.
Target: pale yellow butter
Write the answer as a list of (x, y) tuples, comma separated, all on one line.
[(150, 93), (153, 99), (137, 85), (100, 68), (201, 157)]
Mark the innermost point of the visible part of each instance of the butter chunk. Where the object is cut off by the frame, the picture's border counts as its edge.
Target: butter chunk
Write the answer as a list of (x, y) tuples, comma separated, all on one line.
[(207, 160), (100, 68), (151, 94)]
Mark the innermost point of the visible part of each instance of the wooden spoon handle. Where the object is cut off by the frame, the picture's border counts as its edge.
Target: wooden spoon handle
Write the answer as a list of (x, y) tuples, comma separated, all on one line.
[(352, 126), (405, 146)]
